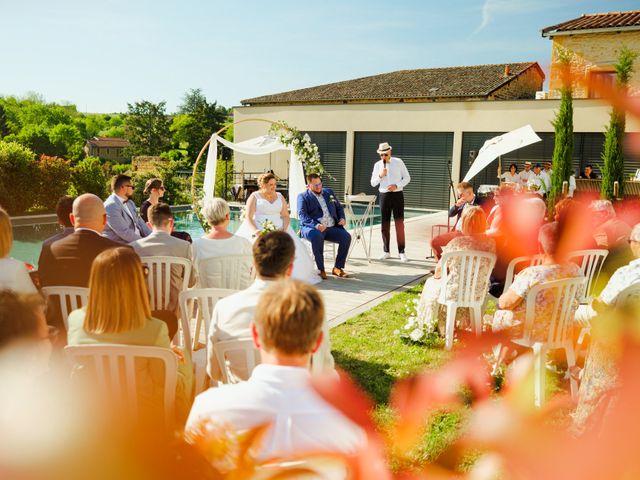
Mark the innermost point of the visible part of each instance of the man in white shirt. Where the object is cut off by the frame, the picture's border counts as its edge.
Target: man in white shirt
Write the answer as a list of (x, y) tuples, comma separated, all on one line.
[(273, 255), (287, 329), (525, 175), (539, 181), (390, 175)]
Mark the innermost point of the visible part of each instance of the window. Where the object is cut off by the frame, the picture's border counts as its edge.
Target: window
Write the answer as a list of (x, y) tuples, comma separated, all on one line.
[(604, 78)]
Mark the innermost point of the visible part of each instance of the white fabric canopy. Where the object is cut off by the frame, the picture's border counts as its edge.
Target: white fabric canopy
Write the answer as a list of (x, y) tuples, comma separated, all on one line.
[(256, 146), (496, 146)]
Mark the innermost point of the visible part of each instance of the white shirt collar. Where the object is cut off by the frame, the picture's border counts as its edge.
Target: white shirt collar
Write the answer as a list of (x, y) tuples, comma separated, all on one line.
[(122, 199), (281, 374)]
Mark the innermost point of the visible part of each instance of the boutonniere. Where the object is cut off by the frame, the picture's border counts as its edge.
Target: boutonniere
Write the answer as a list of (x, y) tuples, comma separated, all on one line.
[(332, 199)]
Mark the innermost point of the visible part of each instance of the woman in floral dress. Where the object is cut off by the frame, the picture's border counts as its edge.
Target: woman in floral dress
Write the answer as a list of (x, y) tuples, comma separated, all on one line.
[(429, 312)]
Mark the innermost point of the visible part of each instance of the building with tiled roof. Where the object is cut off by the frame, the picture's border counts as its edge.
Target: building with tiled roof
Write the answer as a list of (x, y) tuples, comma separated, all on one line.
[(479, 82), (594, 41), (108, 148)]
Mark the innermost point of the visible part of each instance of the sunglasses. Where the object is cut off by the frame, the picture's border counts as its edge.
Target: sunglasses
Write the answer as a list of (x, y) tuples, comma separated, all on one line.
[(130, 186), (384, 154)]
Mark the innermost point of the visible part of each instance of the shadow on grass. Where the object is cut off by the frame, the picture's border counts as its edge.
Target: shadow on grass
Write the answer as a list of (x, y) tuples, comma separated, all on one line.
[(371, 377)]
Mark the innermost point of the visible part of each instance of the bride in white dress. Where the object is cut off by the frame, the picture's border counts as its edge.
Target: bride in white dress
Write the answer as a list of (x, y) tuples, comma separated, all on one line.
[(267, 204)]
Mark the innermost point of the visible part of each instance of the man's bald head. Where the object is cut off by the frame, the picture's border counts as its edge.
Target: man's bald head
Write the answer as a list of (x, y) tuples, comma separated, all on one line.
[(88, 212)]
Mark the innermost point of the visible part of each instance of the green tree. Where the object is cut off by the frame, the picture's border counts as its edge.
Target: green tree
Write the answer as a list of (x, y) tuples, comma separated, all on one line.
[(563, 125), (67, 141), (89, 176), (147, 128), (198, 119), (4, 121), (18, 173), (613, 149), (54, 180)]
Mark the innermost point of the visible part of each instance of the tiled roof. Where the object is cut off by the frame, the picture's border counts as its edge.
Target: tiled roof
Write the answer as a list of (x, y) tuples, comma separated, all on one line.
[(108, 142), (427, 83), (595, 21)]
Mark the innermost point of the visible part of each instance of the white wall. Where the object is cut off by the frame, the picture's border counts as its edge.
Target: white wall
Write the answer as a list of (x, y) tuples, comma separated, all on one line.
[(456, 117)]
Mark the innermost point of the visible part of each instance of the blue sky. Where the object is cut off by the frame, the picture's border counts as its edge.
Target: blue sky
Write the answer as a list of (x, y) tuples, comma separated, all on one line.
[(102, 55)]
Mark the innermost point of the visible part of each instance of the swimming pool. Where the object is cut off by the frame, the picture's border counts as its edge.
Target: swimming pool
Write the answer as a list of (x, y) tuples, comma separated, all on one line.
[(27, 239)]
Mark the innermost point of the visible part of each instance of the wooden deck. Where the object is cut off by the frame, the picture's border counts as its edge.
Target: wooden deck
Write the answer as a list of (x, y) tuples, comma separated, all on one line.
[(372, 283)]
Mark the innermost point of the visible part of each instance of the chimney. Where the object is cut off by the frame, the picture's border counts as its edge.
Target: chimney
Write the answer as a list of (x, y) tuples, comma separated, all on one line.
[(506, 71)]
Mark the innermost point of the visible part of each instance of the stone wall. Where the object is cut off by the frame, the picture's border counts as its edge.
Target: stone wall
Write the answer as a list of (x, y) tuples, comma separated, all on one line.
[(523, 87), (593, 52)]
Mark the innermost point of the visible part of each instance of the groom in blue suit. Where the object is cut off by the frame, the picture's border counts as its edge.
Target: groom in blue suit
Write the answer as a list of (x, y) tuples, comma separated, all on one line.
[(322, 219)]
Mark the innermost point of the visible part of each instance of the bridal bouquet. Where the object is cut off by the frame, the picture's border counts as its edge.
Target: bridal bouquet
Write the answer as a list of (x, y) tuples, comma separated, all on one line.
[(267, 226)]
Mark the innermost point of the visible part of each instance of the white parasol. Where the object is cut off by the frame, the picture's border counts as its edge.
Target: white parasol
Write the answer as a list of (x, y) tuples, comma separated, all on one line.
[(496, 146)]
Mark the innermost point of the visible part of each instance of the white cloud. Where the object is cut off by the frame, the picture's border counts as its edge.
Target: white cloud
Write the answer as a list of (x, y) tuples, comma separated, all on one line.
[(494, 8)]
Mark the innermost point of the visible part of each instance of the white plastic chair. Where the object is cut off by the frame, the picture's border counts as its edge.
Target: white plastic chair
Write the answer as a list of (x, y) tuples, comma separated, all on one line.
[(69, 299), (115, 370), (528, 261), (242, 346), (565, 293), (590, 263), (472, 289), (230, 271), (161, 269), (198, 304)]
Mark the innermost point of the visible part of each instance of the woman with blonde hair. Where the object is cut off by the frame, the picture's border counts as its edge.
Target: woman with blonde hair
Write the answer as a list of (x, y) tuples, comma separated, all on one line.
[(13, 273), (118, 312), (430, 313), (267, 208), (154, 190)]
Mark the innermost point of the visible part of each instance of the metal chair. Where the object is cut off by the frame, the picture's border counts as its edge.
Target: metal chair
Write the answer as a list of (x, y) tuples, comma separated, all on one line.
[(360, 221), (69, 298), (115, 370), (472, 289), (161, 270)]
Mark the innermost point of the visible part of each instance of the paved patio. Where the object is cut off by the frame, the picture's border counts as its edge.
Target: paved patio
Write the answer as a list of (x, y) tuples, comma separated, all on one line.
[(372, 283)]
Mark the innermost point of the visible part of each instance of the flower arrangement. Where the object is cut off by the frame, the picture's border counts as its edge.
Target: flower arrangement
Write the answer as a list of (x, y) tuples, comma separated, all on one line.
[(418, 330), (304, 149), (266, 227)]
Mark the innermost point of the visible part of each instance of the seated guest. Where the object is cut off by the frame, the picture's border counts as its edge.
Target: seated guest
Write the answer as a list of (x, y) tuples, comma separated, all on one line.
[(63, 212), (473, 237), (612, 234), (154, 190), (589, 173), (219, 242), (273, 255), (68, 261), (13, 273), (22, 322), (287, 330), (512, 303), (161, 243), (118, 312), (123, 223), (466, 199)]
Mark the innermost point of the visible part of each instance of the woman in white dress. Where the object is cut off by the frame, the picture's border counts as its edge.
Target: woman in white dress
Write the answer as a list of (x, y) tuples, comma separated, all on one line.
[(267, 205)]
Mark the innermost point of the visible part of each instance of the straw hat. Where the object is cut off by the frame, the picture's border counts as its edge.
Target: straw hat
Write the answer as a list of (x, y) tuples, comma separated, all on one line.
[(384, 147)]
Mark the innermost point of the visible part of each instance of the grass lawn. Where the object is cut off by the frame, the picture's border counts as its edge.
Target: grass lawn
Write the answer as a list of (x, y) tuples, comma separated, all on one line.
[(367, 348)]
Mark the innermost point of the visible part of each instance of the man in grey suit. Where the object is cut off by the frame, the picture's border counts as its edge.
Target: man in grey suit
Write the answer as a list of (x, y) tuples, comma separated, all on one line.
[(123, 223), (160, 243)]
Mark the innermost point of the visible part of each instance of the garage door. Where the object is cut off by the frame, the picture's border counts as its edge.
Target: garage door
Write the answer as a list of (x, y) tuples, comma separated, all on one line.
[(426, 155), (332, 148)]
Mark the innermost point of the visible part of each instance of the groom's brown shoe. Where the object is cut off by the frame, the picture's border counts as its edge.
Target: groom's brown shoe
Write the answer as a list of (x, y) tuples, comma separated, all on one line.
[(323, 274), (338, 272)]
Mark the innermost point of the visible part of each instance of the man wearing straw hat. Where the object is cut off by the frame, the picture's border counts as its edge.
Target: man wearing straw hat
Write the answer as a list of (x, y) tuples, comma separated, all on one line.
[(390, 175)]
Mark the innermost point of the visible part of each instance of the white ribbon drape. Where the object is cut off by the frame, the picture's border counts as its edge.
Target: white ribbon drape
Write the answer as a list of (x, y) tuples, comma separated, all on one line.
[(263, 145)]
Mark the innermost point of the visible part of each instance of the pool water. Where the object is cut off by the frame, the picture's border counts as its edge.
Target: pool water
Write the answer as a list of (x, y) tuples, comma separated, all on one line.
[(27, 239)]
